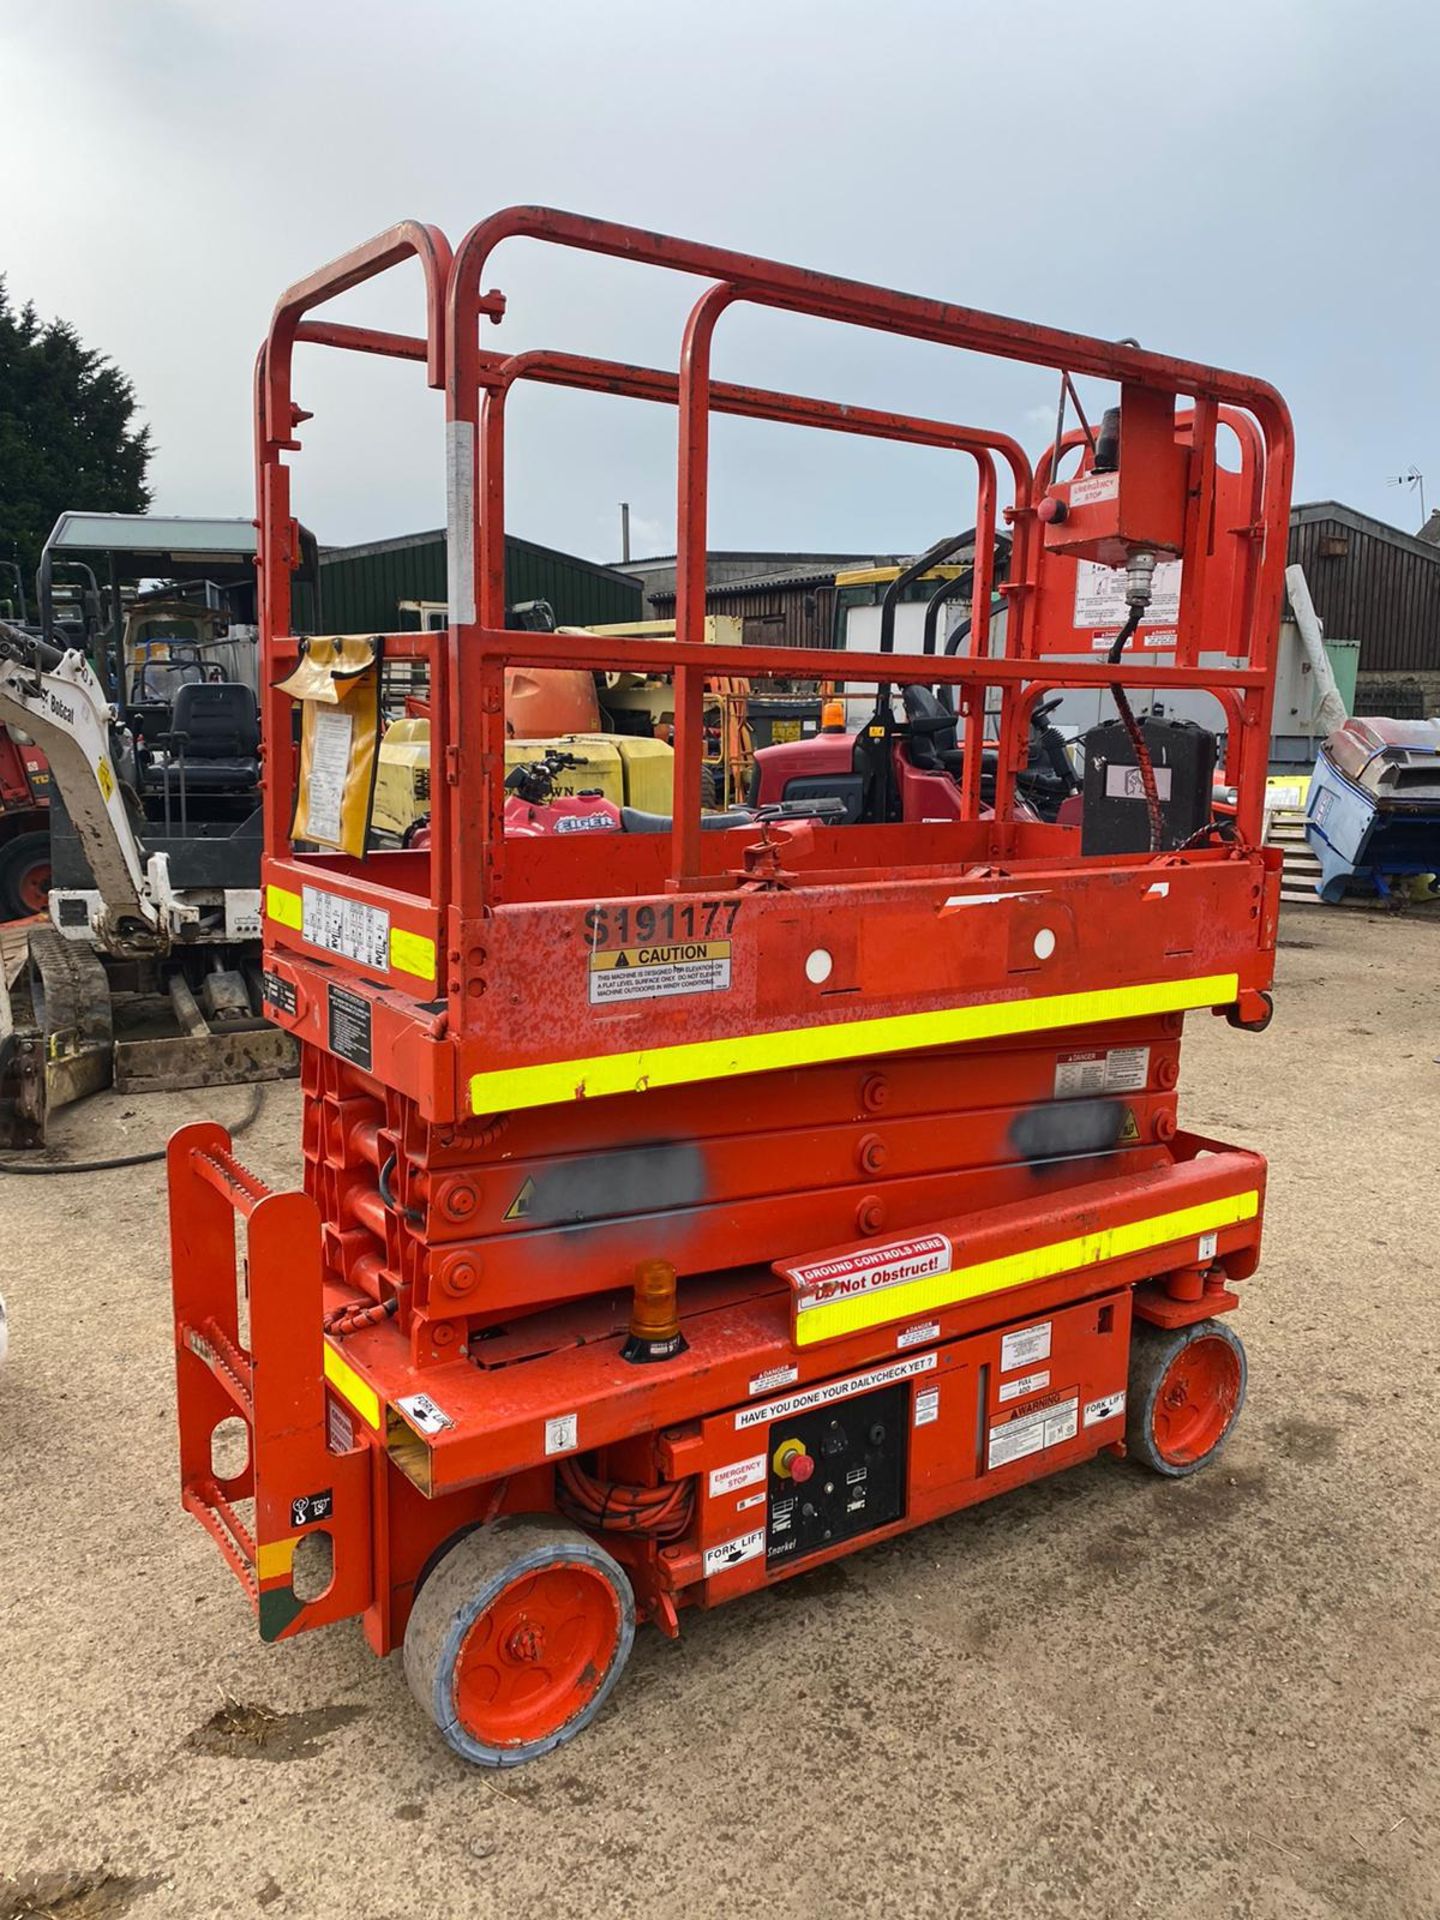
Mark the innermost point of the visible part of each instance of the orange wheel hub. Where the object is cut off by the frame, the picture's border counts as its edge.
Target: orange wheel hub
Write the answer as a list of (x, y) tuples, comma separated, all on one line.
[(537, 1654), (34, 887), (1196, 1401)]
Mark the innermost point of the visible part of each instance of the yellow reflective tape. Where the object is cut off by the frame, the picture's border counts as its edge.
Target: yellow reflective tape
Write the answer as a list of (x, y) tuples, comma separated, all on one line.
[(588, 1079), (283, 907), (343, 1377), (412, 953), (858, 1311), (276, 1558)]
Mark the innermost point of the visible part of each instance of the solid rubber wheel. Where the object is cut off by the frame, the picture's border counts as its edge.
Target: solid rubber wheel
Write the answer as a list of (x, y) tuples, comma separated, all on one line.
[(25, 876), (1187, 1386), (516, 1638)]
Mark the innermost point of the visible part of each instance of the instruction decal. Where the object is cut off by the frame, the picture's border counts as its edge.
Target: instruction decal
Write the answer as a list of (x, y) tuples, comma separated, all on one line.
[(339, 925), (739, 1473), (330, 741), (660, 972), (1100, 599), (871, 1270), (1109, 1407), (350, 1029), (1027, 1383), (311, 1507), (734, 1553), (422, 1413), (279, 993), (831, 1390), (1025, 1345), (562, 1434), (339, 1427), (927, 1406), (919, 1336)]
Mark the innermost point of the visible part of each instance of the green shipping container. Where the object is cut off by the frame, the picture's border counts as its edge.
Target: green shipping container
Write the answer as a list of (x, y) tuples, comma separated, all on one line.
[(362, 587)]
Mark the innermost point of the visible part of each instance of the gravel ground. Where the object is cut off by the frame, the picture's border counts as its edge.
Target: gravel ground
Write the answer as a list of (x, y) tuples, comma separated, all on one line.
[(1102, 1695)]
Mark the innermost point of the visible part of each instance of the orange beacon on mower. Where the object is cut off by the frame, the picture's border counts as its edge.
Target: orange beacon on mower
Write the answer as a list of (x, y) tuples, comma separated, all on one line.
[(687, 1205)]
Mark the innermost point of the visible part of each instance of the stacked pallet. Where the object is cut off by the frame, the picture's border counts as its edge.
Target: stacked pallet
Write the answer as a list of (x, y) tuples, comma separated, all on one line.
[(1285, 829)]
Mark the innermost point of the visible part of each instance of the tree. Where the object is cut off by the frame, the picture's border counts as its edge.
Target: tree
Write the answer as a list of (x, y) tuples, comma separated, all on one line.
[(67, 433)]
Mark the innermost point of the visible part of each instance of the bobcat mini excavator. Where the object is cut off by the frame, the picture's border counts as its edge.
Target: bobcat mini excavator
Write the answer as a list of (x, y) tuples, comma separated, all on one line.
[(149, 976)]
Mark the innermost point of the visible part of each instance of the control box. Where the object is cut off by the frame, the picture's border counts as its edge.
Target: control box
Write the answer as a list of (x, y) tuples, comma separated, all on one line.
[(1138, 503), (1115, 818), (837, 1472)]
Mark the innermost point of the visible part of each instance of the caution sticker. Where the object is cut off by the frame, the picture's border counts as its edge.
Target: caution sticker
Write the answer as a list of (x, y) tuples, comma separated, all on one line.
[(659, 972)]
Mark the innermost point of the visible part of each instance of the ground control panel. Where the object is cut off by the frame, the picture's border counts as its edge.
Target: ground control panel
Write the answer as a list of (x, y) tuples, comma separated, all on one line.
[(938, 1426), (837, 1473)]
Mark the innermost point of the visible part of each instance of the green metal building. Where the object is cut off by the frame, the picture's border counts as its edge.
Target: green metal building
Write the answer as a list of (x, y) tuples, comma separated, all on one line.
[(362, 587)]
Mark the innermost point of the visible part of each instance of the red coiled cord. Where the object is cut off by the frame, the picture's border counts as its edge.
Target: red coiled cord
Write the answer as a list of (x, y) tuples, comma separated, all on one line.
[(661, 1513)]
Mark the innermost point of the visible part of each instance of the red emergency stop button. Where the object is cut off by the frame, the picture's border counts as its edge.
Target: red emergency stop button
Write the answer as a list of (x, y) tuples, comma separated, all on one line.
[(792, 1462)]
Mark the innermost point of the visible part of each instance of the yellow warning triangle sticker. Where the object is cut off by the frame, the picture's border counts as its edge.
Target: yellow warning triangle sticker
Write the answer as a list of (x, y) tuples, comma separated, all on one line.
[(1129, 1131), (519, 1207)]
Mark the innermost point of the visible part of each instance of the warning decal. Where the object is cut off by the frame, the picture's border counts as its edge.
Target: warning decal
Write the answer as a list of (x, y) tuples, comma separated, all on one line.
[(658, 972), (817, 1282), (1033, 1432), (519, 1207)]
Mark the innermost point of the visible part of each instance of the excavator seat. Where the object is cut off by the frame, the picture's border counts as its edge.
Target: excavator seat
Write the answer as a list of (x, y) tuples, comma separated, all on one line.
[(214, 740)]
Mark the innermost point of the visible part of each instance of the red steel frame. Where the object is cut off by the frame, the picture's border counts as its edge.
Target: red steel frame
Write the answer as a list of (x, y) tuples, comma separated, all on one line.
[(966, 963)]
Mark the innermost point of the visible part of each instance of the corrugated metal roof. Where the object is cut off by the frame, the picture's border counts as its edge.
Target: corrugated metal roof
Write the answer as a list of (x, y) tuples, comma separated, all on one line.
[(1372, 583), (364, 585), (1308, 512)]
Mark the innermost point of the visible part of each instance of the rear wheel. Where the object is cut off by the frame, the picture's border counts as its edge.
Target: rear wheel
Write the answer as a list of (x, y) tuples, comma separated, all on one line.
[(24, 876), (517, 1637), (1187, 1386)]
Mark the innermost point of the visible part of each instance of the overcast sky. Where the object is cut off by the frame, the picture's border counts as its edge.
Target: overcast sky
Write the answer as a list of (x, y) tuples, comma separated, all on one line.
[(1248, 182)]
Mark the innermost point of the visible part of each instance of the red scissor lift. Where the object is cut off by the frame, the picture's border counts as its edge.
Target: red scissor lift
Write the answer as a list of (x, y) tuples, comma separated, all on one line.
[(609, 1296)]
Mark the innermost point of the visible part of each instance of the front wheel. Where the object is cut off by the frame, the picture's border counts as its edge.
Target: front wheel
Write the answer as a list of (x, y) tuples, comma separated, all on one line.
[(1187, 1386), (517, 1637)]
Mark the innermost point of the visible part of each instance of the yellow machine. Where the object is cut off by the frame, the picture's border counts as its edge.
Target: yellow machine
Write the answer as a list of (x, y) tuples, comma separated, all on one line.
[(630, 770), (633, 770)]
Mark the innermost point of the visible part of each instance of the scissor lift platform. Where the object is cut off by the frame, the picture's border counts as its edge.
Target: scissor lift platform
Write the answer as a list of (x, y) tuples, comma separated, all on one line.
[(682, 1210)]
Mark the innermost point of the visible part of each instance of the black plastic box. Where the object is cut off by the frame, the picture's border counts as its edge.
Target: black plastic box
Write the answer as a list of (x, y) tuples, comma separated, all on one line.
[(1115, 819)]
